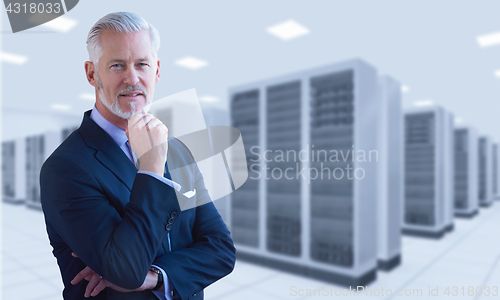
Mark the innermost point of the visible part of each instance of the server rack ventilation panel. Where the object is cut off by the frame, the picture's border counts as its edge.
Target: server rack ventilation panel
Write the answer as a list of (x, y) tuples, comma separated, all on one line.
[(496, 171), (245, 204), (14, 172), (283, 205), (38, 149), (466, 172), (8, 171), (485, 171), (424, 172)]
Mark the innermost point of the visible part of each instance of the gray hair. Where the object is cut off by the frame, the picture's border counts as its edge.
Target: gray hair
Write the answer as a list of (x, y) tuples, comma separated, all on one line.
[(120, 22)]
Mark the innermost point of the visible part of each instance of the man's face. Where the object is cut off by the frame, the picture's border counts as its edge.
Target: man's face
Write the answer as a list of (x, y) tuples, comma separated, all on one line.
[(127, 72)]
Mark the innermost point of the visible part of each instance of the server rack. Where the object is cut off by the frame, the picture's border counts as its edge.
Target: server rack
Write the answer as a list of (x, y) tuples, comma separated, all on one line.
[(20, 171), (14, 173), (424, 212), (496, 175), (448, 172), (466, 200), (390, 173), (318, 227), (245, 202), (485, 171), (283, 202), (8, 171), (38, 149)]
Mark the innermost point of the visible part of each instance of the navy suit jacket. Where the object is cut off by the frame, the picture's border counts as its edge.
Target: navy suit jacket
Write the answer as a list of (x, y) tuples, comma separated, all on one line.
[(116, 220)]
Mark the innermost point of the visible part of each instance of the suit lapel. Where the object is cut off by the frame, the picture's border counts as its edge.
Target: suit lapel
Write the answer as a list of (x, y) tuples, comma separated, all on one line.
[(118, 163), (108, 152)]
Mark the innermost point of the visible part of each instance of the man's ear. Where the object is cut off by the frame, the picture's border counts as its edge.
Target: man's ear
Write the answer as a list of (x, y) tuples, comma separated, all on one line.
[(90, 73), (157, 75)]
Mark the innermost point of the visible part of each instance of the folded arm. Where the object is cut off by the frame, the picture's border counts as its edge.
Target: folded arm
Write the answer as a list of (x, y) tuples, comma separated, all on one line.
[(120, 249)]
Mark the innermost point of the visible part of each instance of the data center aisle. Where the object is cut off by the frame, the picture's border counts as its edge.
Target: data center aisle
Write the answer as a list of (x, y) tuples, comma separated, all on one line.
[(469, 256)]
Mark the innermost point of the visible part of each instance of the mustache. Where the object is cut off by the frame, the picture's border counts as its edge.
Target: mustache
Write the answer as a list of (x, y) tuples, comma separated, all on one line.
[(133, 88)]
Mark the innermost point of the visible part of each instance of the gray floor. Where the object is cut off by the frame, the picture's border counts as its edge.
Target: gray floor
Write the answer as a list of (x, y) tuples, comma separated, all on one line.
[(468, 257)]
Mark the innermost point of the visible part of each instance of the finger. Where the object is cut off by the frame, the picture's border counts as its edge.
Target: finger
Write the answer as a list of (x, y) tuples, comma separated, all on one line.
[(83, 274), (92, 284), (153, 123), (134, 119), (160, 134), (164, 128), (145, 120), (141, 123), (74, 254), (100, 286), (137, 118)]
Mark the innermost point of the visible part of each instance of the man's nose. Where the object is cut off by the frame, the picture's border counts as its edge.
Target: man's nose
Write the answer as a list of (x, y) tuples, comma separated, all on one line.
[(131, 76)]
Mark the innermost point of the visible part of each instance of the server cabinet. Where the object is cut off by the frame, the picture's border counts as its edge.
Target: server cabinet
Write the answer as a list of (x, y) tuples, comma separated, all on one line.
[(496, 175), (424, 212), (14, 173), (38, 148), (466, 197), (390, 173), (448, 172), (485, 171), (283, 201), (301, 210), (8, 171), (245, 202), (20, 170)]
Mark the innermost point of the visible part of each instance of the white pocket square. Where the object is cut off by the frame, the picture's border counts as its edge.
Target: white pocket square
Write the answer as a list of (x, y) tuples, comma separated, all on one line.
[(190, 194)]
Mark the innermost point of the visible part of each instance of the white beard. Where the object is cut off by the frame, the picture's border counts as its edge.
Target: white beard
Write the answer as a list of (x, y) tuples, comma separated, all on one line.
[(115, 106)]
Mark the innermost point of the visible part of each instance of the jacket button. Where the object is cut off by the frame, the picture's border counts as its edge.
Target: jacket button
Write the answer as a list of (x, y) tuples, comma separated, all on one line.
[(170, 221), (173, 215), (193, 295), (168, 227)]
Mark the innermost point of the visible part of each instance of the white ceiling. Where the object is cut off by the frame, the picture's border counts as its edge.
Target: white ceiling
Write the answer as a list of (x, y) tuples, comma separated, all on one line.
[(428, 45)]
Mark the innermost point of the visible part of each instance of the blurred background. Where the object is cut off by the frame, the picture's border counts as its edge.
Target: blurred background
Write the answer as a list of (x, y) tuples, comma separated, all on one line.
[(416, 81)]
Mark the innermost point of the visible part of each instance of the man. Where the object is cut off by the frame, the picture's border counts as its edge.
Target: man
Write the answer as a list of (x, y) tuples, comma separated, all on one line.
[(120, 228)]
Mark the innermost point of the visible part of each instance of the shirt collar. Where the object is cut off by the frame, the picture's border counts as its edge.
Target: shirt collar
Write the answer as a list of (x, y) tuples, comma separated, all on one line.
[(116, 133)]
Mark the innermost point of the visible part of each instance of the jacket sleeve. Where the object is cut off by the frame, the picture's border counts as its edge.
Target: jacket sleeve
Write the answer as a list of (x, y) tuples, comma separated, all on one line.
[(119, 249), (210, 257)]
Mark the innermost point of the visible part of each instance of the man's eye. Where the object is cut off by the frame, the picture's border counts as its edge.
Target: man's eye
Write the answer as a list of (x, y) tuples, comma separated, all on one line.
[(116, 65), (142, 64)]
